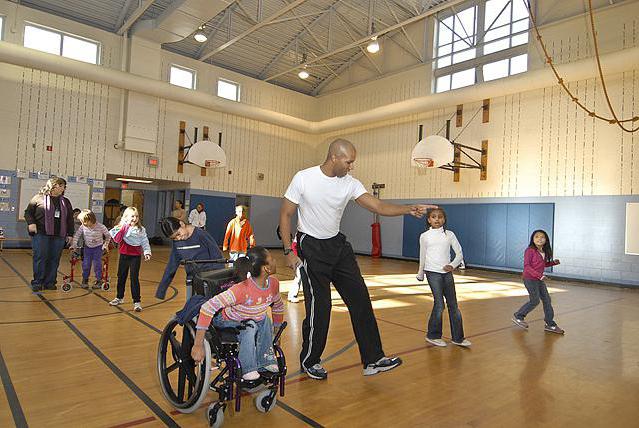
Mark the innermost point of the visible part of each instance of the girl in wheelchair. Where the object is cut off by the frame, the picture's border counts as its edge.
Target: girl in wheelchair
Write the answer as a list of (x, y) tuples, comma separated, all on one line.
[(244, 306)]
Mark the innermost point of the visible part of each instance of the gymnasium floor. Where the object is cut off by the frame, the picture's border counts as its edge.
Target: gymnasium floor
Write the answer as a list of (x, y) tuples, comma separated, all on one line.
[(71, 360)]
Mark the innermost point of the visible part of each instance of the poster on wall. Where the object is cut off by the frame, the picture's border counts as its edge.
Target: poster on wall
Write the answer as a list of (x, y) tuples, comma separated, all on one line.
[(22, 174), (77, 193), (5, 179), (5, 207), (97, 196), (5, 193), (97, 209), (98, 184)]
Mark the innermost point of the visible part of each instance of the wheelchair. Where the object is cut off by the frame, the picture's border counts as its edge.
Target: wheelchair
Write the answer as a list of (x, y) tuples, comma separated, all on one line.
[(185, 384)]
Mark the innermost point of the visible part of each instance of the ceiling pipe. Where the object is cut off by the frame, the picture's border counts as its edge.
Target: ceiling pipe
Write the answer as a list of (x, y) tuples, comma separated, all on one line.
[(615, 62), (18, 55)]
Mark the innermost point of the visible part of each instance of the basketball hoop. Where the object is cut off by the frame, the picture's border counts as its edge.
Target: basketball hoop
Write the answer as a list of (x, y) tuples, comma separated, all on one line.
[(206, 154), (432, 152), (425, 162)]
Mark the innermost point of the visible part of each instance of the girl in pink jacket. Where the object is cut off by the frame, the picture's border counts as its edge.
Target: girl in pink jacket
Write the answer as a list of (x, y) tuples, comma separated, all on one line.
[(537, 257)]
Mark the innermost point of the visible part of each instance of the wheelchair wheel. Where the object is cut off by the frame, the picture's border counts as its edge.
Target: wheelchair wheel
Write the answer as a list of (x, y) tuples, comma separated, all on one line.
[(265, 400), (106, 285), (215, 414), (184, 384), (66, 287)]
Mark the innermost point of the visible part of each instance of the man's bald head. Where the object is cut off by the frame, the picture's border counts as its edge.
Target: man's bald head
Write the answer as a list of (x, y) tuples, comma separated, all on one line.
[(340, 157), (340, 148)]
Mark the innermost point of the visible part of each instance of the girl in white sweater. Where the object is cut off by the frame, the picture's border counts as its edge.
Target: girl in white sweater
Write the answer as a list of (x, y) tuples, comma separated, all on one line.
[(435, 263)]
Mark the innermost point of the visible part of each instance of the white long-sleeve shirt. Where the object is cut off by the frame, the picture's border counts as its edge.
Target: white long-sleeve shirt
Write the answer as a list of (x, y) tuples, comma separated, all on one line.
[(434, 251), (197, 219)]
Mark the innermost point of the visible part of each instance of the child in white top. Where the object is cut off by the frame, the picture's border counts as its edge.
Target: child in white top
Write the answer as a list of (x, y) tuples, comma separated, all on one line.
[(434, 261)]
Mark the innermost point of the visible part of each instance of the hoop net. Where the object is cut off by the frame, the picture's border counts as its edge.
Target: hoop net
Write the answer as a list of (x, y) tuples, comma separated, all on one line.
[(211, 163), (424, 162)]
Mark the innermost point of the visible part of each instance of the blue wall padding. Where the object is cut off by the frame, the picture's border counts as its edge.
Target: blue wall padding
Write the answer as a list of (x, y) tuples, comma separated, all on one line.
[(219, 210), (492, 235)]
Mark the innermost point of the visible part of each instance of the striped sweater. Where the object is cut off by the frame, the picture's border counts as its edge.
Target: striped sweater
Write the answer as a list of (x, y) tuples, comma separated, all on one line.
[(244, 301), (94, 236)]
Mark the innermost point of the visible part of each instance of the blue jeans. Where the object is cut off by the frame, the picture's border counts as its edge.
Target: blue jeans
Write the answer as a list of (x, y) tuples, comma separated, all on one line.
[(46, 258), (537, 291), (256, 342), (443, 285)]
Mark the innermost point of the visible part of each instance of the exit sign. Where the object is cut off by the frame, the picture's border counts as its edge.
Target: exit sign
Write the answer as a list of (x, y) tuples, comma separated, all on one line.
[(153, 161)]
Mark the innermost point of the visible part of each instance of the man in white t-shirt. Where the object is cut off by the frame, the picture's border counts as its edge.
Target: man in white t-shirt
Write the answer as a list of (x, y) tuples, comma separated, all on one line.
[(197, 217), (320, 195)]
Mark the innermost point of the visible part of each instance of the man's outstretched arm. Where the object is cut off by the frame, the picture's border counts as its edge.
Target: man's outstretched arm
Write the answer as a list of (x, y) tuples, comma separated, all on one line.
[(380, 207)]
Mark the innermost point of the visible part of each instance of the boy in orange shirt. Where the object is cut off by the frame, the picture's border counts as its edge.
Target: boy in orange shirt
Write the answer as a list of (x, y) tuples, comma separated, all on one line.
[(239, 234)]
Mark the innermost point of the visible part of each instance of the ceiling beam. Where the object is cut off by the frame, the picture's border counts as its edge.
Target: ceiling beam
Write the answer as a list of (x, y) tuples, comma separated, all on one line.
[(308, 30), (251, 30), (214, 29), (347, 24), (294, 40), (404, 32), (134, 16), (122, 14), (363, 40)]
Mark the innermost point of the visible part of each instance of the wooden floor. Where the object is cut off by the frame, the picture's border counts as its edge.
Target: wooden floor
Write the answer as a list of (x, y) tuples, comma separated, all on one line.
[(71, 360)]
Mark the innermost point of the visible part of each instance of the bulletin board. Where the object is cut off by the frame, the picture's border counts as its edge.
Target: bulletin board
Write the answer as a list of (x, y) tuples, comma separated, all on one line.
[(77, 193)]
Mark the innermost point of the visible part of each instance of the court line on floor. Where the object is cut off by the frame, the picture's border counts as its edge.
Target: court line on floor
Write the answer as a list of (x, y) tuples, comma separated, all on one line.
[(14, 403), (82, 317), (152, 405), (428, 345)]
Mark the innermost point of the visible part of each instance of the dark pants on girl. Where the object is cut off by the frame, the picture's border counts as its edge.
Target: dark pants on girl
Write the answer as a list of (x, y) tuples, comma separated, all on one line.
[(443, 285), (126, 263), (326, 261), (537, 291), (92, 256), (47, 250)]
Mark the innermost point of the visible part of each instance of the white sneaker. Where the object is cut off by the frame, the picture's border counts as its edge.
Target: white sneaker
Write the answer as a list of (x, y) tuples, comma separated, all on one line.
[(116, 302), (436, 342), (137, 307), (464, 343), (294, 299)]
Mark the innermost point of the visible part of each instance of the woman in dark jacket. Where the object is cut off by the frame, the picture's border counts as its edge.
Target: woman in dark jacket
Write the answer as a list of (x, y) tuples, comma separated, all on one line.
[(49, 216)]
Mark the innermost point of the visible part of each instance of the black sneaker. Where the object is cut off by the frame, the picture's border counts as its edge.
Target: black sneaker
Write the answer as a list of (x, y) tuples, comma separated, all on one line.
[(36, 288), (50, 287), (85, 283), (384, 364), (97, 285), (316, 372)]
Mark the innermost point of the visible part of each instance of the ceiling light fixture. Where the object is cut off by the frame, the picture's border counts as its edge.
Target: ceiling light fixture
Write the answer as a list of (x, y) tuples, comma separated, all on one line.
[(373, 45), (199, 36), (303, 74), (134, 180)]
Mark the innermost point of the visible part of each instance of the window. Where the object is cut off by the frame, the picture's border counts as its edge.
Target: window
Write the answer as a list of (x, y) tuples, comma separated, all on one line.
[(228, 90), (506, 23), (58, 43), (482, 40), (1, 27), (180, 76)]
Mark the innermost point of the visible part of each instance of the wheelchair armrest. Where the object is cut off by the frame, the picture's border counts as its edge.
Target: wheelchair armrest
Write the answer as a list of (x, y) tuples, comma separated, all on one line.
[(279, 332)]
